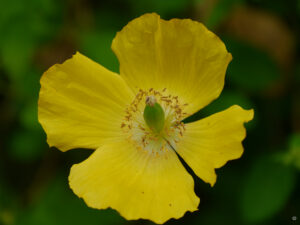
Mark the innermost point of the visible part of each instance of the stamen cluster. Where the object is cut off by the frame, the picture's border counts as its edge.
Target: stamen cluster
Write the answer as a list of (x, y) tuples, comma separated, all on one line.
[(141, 135)]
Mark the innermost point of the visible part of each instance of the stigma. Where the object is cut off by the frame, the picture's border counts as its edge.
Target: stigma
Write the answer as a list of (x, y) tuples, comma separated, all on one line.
[(150, 100)]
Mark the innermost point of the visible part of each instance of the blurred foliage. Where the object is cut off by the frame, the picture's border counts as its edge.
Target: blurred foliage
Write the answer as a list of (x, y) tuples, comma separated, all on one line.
[(254, 71), (97, 46), (163, 8), (263, 37), (217, 11), (263, 194), (292, 156), (57, 205)]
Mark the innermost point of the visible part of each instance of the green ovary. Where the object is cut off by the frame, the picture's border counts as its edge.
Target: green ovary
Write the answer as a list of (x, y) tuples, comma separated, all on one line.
[(154, 117)]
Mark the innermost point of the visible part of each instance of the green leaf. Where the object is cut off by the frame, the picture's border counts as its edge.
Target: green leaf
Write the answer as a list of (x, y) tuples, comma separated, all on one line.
[(220, 10), (163, 8), (229, 98), (295, 142), (251, 69), (27, 145), (58, 205), (7, 205), (292, 157), (96, 45), (8, 201), (23, 27), (226, 99), (29, 116), (16, 54), (266, 190)]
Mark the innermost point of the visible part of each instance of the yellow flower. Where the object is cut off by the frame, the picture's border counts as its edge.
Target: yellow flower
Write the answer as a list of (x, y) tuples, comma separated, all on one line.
[(177, 66)]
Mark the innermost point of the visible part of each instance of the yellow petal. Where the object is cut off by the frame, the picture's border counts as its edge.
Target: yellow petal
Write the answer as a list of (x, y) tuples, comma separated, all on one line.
[(135, 183), (81, 104), (209, 143), (180, 55)]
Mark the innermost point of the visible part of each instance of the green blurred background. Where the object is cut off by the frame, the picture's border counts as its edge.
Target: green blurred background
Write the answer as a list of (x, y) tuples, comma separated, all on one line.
[(263, 37)]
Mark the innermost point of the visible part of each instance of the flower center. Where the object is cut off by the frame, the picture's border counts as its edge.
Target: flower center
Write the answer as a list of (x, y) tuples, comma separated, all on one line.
[(152, 121)]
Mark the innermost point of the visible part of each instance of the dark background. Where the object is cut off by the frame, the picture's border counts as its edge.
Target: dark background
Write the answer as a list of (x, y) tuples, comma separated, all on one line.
[(263, 37)]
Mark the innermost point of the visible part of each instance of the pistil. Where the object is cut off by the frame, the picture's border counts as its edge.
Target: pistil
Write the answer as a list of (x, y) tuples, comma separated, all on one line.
[(154, 115)]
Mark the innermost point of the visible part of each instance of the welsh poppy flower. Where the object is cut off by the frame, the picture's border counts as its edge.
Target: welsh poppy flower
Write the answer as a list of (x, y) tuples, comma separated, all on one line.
[(133, 120)]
